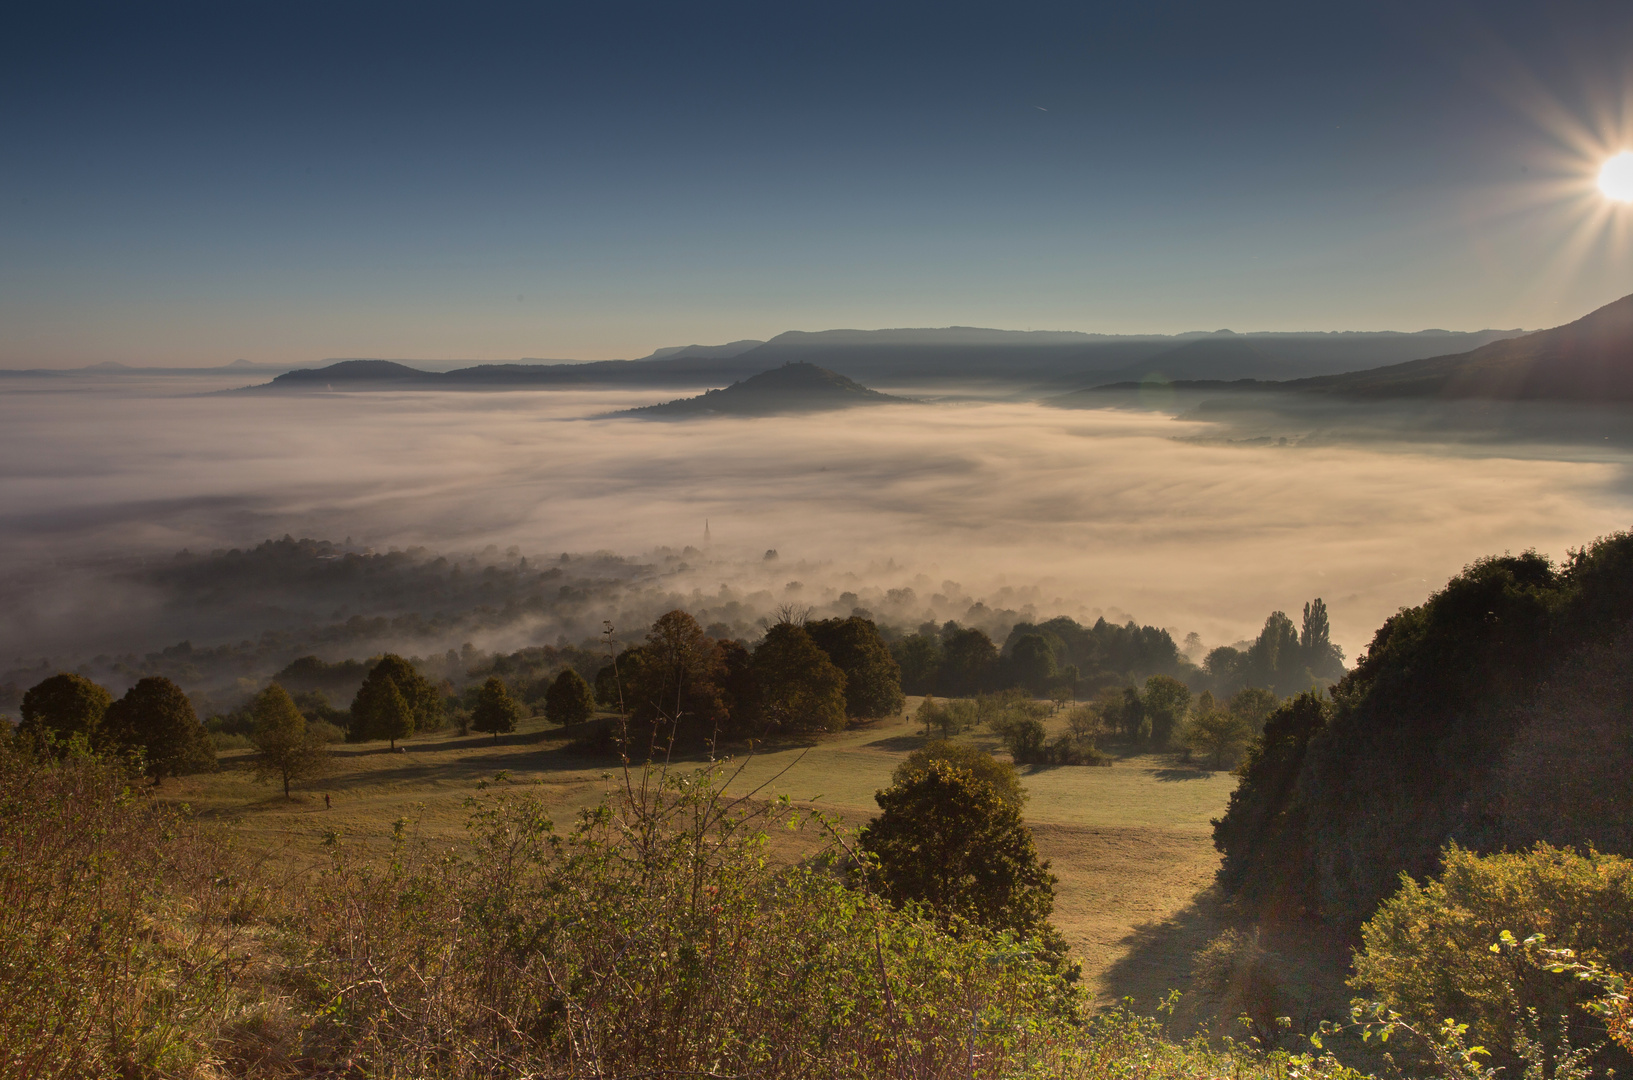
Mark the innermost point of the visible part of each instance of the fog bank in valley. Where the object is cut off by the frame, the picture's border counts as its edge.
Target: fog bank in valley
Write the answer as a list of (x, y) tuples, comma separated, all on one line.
[(1046, 511)]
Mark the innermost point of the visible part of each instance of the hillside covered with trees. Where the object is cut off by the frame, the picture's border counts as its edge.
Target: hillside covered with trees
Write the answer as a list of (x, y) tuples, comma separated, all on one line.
[(1493, 715)]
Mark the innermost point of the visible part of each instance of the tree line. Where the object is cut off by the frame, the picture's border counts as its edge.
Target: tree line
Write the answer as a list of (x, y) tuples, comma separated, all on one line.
[(803, 676), (1062, 658), (153, 724)]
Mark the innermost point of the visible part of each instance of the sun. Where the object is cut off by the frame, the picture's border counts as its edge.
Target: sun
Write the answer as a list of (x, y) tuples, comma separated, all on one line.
[(1616, 177)]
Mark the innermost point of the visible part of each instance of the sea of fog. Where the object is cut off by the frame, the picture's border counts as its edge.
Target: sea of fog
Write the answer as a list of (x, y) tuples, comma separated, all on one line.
[(1118, 511)]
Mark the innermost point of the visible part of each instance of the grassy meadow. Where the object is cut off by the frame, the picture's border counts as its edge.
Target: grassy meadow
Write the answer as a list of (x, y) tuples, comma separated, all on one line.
[(1130, 844)]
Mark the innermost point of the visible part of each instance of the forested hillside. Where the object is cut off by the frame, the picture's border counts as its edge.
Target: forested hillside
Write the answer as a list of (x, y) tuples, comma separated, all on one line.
[(1493, 715)]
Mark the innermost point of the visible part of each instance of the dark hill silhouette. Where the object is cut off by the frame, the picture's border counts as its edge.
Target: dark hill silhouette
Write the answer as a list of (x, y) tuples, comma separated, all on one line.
[(684, 369), (353, 372), (787, 389), (962, 355), (1071, 360), (1590, 359)]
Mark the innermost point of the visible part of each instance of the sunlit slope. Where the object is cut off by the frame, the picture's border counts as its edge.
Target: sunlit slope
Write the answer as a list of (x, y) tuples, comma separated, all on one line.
[(1136, 792), (1130, 844)]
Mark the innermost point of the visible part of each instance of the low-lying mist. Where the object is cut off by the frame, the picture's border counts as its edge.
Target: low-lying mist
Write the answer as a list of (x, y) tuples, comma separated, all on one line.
[(1027, 509)]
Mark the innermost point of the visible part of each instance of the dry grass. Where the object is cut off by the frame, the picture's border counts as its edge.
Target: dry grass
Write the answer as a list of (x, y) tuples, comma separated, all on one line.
[(1131, 843)]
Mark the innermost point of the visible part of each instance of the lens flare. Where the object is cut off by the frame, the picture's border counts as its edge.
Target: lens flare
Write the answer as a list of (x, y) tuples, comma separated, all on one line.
[(1616, 177)]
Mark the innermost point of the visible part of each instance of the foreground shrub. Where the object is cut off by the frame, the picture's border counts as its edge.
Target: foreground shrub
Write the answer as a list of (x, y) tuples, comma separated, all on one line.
[(1428, 954), (656, 938), (653, 938), (120, 925)]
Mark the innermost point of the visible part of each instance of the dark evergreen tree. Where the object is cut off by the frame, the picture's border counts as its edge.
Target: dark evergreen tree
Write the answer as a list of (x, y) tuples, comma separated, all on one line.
[(374, 713), (496, 711), (156, 718), (955, 844), (569, 699), (65, 706)]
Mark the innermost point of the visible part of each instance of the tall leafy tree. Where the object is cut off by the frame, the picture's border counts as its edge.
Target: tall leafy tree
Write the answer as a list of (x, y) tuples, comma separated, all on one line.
[(1274, 659), (1323, 659), (675, 675), (496, 711), (968, 657), (155, 718), (873, 679), (1166, 701), (380, 711), (66, 705), (569, 699), (918, 657), (1253, 704), (1129, 718), (800, 688), (289, 751), (1218, 736)]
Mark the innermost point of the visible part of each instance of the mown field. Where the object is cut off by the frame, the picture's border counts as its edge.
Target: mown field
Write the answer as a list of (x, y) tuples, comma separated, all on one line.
[(1131, 843)]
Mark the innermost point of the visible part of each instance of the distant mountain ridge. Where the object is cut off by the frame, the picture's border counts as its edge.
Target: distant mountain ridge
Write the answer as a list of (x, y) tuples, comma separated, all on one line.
[(1024, 360), (1590, 359), (792, 388)]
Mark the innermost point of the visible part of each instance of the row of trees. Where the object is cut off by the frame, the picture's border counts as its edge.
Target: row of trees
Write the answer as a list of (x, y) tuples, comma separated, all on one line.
[(803, 676), (1063, 658), (960, 661), (1163, 715), (153, 722), (1282, 658)]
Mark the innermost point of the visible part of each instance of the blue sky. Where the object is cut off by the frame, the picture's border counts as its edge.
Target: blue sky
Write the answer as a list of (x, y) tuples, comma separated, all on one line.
[(290, 182)]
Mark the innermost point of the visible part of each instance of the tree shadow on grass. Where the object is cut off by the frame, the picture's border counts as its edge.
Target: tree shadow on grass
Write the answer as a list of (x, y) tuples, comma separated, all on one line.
[(1176, 773), (1158, 957), (897, 744)]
